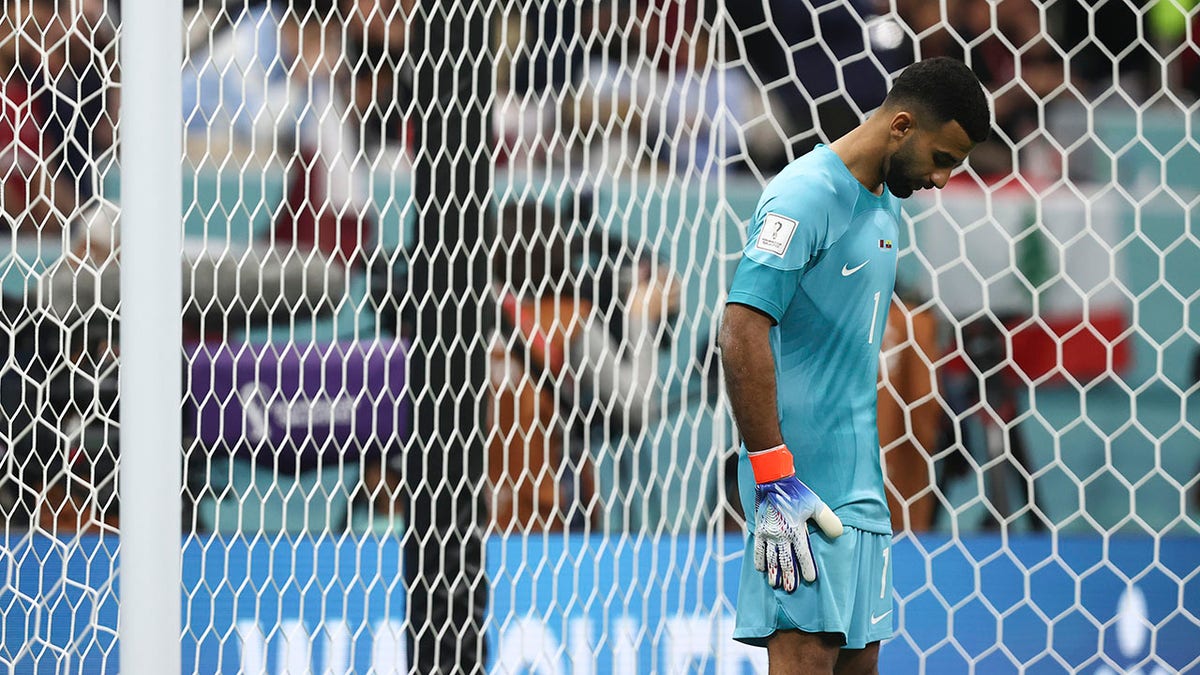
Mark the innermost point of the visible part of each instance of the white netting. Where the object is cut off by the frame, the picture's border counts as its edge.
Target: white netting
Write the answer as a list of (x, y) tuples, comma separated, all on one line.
[(452, 272)]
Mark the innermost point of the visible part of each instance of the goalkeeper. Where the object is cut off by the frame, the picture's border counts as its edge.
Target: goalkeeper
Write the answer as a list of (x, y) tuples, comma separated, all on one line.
[(800, 348)]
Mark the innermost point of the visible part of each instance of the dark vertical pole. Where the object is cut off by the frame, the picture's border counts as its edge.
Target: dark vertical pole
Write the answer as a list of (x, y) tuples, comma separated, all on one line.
[(444, 469)]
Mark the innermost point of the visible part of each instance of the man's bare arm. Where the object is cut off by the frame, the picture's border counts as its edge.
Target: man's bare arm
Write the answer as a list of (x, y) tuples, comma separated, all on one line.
[(749, 367)]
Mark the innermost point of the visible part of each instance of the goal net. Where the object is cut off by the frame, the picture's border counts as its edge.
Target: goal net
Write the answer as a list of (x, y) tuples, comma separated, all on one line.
[(452, 273)]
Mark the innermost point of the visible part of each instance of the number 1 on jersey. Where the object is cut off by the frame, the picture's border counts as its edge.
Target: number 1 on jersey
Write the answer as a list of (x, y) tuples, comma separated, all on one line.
[(883, 579), (874, 315)]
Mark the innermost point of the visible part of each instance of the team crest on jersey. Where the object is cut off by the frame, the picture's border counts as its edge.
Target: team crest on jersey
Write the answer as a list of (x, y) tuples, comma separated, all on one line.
[(776, 234), (885, 243)]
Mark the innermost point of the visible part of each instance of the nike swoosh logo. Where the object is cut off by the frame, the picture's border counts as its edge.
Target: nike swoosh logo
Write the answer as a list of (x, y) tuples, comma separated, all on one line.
[(881, 617), (847, 270)]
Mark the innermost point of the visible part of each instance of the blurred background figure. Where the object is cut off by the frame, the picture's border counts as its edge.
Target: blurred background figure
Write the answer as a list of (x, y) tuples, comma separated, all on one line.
[(646, 91), (1017, 62), (58, 389), (380, 77), (832, 56), (909, 415), (75, 491), (1015, 58), (707, 114), (575, 357), (272, 85), (70, 60), (41, 162), (58, 420), (616, 83), (538, 60)]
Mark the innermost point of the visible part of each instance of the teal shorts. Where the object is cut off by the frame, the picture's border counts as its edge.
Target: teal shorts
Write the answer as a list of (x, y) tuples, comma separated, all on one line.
[(852, 595)]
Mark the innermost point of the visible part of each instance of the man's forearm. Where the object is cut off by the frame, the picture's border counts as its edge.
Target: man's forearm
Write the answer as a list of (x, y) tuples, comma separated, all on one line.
[(750, 379)]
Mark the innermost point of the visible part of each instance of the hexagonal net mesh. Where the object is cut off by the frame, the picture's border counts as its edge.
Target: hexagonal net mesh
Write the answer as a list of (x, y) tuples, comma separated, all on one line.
[(452, 275)]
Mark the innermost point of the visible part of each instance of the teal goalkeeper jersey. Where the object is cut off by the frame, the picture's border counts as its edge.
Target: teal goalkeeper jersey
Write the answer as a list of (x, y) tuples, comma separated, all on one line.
[(821, 261)]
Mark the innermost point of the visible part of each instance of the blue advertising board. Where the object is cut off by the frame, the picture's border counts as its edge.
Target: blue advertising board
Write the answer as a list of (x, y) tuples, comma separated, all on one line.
[(612, 605)]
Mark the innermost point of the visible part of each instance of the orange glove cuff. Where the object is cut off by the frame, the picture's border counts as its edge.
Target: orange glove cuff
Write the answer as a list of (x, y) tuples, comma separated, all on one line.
[(771, 465)]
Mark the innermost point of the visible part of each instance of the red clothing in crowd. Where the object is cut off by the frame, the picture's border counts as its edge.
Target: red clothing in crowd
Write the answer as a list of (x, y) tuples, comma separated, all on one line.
[(20, 135), (21, 153)]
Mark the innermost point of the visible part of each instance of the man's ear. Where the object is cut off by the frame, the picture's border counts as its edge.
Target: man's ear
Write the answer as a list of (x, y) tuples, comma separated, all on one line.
[(902, 125)]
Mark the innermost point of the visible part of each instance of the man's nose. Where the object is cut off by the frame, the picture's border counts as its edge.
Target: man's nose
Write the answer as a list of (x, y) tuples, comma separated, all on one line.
[(940, 178)]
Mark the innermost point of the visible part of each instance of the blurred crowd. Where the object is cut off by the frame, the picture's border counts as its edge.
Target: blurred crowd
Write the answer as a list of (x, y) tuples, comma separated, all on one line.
[(57, 69), (609, 87), (674, 84), (603, 88), (324, 89)]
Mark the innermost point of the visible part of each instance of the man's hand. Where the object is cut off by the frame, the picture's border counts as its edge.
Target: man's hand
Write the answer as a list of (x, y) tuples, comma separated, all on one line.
[(783, 506)]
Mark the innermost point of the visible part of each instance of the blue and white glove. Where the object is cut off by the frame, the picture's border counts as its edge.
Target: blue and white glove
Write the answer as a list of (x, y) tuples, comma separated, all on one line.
[(782, 508)]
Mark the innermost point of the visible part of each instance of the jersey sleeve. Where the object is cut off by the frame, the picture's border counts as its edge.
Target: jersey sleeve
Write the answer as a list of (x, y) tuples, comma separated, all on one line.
[(783, 239)]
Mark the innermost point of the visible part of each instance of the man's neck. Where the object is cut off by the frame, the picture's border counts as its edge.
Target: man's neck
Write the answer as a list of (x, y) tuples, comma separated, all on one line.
[(862, 151)]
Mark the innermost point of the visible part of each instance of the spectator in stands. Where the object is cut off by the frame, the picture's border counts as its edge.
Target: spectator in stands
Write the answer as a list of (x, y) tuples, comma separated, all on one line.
[(908, 412), (700, 116), (380, 77), (1094, 32), (1015, 59), (274, 84), (545, 49), (36, 196), (636, 83), (614, 96), (76, 489), (929, 32), (818, 49), (1170, 24), (559, 363), (71, 63), (58, 423), (647, 91)]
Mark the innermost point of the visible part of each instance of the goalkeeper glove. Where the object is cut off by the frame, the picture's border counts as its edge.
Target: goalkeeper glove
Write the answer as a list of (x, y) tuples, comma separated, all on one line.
[(782, 508)]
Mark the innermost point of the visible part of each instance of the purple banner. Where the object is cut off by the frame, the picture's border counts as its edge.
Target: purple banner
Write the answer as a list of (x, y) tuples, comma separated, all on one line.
[(299, 404)]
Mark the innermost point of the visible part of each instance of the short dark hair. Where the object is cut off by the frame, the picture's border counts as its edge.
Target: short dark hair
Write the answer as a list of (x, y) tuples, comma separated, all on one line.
[(946, 89)]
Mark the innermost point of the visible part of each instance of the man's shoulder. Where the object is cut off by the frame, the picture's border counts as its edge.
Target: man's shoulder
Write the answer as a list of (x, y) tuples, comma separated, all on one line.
[(808, 183)]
